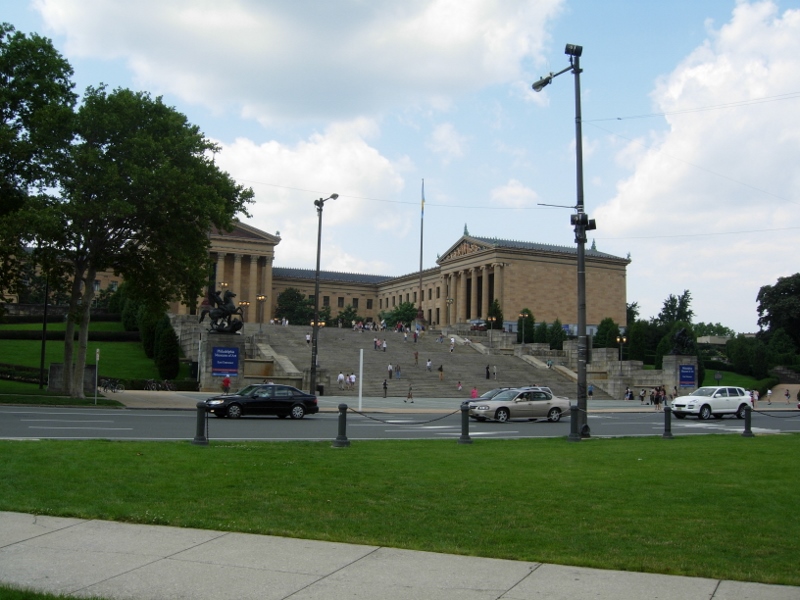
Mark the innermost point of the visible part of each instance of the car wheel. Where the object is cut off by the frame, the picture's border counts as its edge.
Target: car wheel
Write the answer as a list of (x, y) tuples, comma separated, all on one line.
[(234, 411), (705, 412), (554, 415), (502, 415), (298, 412), (741, 412), (679, 416)]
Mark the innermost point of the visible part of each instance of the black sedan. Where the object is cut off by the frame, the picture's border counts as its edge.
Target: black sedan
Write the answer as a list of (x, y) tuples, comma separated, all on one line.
[(264, 399)]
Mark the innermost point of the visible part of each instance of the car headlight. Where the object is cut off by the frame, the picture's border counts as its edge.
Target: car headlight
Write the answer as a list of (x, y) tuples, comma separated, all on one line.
[(214, 402), (482, 407)]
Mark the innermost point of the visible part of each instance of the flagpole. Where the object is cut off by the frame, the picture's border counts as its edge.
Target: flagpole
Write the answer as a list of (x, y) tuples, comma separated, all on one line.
[(420, 314)]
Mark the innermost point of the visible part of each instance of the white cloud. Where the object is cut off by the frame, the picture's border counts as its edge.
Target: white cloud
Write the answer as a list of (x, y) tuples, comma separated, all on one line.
[(447, 142), (714, 171), (514, 195), (306, 59)]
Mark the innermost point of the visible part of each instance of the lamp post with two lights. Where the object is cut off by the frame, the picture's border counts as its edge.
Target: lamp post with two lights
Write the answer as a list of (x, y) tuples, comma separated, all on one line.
[(320, 203)]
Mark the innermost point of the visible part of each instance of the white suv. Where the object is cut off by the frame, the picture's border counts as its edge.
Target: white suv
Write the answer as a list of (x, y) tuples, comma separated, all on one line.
[(707, 402)]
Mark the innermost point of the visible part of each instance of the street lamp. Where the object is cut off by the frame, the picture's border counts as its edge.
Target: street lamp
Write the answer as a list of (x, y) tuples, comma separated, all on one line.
[(244, 304), (223, 285), (449, 304), (491, 321), (582, 223), (621, 340), (261, 298), (315, 323), (523, 316)]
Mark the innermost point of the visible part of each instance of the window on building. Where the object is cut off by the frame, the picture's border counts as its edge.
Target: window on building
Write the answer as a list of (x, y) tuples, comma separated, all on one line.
[(113, 286), (96, 285), (311, 297), (340, 302), (326, 301), (438, 289), (369, 303), (355, 303), (430, 293), (393, 300), (415, 297), (406, 296)]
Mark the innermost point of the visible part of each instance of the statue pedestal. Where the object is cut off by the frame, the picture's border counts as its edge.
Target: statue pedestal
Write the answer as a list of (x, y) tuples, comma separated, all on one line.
[(673, 365), (221, 354)]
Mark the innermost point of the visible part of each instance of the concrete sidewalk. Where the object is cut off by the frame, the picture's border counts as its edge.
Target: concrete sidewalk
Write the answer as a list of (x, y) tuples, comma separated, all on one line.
[(83, 558)]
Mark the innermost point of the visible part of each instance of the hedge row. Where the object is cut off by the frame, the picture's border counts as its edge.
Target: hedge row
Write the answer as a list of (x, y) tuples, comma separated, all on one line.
[(20, 373), (94, 336), (56, 318)]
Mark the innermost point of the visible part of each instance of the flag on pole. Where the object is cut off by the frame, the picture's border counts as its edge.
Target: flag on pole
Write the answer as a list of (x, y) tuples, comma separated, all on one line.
[(423, 199)]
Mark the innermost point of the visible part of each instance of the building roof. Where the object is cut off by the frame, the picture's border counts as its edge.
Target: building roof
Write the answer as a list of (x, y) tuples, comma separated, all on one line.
[(361, 278), (517, 245)]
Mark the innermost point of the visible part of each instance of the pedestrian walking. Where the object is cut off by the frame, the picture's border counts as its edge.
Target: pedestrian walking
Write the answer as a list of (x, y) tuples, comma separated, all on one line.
[(787, 395), (384, 344), (487, 372), (769, 396), (226, 385), (410, 397), (641, 396), (352, 381), (391, 370), (495, 372), (474, 393), (591, 391), (340, 380), (458, 386), (385, 387), (416, 358), (441, 372), (428, 364), (308, 338), (657, 400), (397, 371)]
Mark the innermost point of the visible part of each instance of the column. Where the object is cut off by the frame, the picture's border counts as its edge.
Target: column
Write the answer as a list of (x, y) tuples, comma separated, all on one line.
[(474, 312), (461, 300), (266, 288), (485, 291), (236, 284), (498, 289), (220, 275), (251, 315)]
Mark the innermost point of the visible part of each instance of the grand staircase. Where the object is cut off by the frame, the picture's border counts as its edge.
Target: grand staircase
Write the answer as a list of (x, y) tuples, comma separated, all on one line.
[(339, 351)]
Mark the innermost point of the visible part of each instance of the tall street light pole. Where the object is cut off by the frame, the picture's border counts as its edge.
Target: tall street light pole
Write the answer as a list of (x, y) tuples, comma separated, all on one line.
[(261, 298), (315, 325), (581, 222)]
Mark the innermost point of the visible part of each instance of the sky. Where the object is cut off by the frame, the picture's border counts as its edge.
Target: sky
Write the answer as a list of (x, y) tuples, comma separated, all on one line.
[(690, 120)]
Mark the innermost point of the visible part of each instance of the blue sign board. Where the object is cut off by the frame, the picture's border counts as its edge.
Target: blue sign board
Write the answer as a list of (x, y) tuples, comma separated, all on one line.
[(687, 376), (224, 362)]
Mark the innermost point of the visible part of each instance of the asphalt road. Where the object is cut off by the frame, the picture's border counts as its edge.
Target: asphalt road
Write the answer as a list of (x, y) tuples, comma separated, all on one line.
[(19, 422)]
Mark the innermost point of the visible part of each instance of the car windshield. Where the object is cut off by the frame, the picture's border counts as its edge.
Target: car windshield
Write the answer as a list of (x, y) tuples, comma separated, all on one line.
[(248, 390), (506, 395), (490, 393), (704, 391)]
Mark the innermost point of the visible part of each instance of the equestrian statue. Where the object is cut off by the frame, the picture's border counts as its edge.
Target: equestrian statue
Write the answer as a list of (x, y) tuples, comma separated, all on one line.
[(222, 313)]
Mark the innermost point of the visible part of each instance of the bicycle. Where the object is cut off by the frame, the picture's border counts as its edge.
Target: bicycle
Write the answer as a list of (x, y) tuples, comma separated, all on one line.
[(167, 385), (151, 385), (112, 385)]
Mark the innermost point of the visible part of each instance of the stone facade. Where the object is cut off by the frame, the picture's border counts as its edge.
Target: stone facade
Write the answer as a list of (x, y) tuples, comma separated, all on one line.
[(469, 276)]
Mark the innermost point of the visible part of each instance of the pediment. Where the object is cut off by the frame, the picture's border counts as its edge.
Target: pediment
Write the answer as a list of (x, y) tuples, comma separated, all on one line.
[(463, 247)]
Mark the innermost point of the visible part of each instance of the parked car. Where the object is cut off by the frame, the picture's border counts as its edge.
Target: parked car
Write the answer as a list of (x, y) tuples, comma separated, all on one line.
[(264, 399), (485, 395), (477, 325), (520, 403), (712, 401)]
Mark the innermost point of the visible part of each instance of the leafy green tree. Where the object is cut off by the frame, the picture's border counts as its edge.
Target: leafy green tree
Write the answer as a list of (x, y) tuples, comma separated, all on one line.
[(496, 312), (607, 333), (526, 324), (147, 321), (36, 109), (167, 349), (675, 309), (130, 314), (779, 307), (780, 348), (631, 313), (667, 343), (712, 329), (293, 305), (405, 312), (540, 334), (349, 314), (141, 194), (556, 335)]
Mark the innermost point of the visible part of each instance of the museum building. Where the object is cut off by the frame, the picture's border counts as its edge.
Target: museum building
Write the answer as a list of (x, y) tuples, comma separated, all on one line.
[(467, 278)]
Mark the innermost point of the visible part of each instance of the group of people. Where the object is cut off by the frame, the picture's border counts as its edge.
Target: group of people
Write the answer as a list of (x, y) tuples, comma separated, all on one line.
[(658, 396), (346, 382)]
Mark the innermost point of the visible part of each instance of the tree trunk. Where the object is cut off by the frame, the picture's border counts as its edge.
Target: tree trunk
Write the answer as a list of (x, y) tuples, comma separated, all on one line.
[(69, 334)]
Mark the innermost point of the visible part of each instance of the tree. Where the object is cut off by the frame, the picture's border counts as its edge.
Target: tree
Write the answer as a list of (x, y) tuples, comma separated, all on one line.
[(36, 107), (525, 326), (167, 351), (556, 335), (496, 312), (712, 329), (607, 334), (780, 348), (348, 315), (631, 313), (140, 196), (540, 334), (779, 307), (676, 308), (405, 312), (293, 305)]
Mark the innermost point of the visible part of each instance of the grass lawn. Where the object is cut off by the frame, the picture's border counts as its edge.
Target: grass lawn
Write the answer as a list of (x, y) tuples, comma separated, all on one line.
[(62, 326), (714, 506)]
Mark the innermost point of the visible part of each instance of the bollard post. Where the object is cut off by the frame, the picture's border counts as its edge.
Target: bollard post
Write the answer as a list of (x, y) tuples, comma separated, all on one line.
[(667, 435), (574, 435), (200, 431), (465, 439), (748, 412), (341, 440)]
